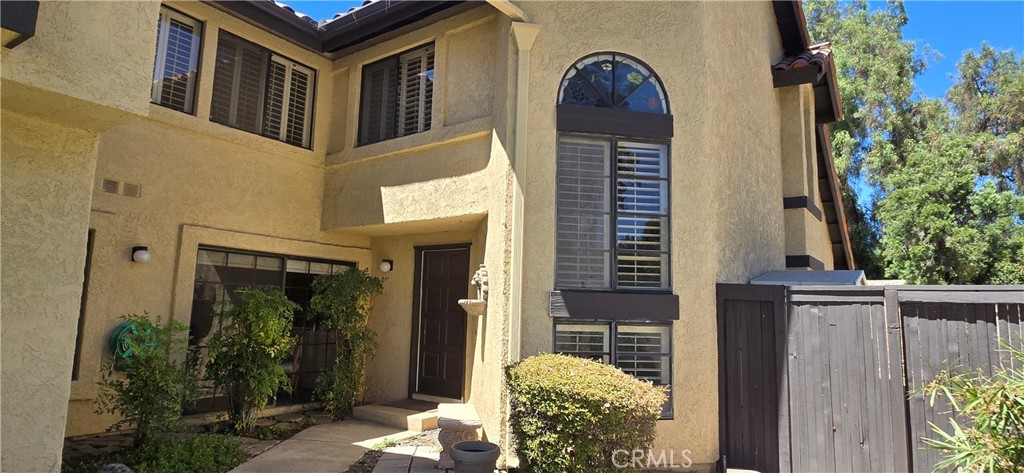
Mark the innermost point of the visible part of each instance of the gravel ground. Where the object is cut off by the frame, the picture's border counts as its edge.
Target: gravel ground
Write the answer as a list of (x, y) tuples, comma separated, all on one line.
[(370, 458)]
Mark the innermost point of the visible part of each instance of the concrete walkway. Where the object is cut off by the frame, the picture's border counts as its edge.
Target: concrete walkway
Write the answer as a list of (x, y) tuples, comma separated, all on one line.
[(327, 448), (408, 460)]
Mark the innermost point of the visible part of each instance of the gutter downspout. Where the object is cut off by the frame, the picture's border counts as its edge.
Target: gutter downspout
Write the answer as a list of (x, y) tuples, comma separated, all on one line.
[(524, 35)]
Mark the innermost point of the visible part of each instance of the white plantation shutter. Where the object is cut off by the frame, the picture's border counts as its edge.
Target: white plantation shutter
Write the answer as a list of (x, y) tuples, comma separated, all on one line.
[(641, 230), (287, 102), (416, 91), (177, 60), (258, 91), (583, 214)]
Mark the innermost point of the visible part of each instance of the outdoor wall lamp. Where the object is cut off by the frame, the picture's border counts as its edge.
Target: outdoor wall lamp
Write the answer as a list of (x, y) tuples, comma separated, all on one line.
[(140, 254), (387, 265)]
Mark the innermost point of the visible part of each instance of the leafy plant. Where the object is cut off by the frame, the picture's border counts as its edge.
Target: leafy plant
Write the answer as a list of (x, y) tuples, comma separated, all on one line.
[(151, 394), (992, 438), (202, 454), (246, 354), (573, 414), (342, 303)]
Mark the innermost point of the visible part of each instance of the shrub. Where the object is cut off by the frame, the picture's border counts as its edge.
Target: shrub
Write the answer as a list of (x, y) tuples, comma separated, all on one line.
[(993, 406), (572, 414), (203, 454), (155, 388), (246, 354), (342, 303)]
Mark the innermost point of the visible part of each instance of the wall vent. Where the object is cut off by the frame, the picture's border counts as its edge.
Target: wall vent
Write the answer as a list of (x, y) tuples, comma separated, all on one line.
[(127, 189)]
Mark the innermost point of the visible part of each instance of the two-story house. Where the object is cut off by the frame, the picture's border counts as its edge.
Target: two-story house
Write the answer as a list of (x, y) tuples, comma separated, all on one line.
[(607, 163)]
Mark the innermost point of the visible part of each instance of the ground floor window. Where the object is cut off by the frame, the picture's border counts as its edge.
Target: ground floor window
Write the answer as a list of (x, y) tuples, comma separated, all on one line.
[(641, 349), (220, 272)]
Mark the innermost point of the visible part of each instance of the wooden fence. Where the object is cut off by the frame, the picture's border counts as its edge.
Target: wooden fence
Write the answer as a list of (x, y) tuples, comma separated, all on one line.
[(824, 378)]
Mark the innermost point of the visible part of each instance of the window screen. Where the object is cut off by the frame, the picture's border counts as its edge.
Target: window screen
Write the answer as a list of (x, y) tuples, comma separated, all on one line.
[(641, 350), (397, 96), (176, 67), (261, 92)]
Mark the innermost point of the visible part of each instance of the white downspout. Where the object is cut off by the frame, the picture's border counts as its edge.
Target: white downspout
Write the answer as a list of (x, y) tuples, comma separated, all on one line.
[(524, 35)]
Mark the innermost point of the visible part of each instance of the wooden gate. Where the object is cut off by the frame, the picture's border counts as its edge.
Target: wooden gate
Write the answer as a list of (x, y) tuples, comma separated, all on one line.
[(825, 378)]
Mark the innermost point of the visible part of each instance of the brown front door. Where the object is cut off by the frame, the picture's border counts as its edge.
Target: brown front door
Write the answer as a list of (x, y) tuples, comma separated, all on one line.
[(439, 323)]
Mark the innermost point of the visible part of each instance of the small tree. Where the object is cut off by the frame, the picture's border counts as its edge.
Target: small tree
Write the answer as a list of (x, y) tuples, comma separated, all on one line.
[(993, 439), (156, 385), (246, 354), (342, 302)]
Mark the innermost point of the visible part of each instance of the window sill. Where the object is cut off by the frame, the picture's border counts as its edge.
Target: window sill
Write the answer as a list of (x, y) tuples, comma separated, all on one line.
[(611, 305), (411, 143)]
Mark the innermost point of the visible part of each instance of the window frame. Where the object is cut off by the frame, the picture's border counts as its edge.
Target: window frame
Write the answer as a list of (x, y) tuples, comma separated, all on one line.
[(160, 57), (668, 410), (613, 283), (396, 59), (270, 55)]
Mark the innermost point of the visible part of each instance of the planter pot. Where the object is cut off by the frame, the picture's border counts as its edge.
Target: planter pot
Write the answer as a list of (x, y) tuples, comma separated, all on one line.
[(475, 457)]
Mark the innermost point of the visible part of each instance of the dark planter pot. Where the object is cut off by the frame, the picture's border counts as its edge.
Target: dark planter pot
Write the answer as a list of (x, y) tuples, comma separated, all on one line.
[(475, 457)]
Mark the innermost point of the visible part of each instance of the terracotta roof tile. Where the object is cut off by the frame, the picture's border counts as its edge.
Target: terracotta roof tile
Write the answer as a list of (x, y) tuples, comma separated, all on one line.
[(815, 55)]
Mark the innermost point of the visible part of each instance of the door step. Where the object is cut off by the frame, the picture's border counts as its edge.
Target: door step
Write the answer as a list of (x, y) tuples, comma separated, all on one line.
[(397, 417)]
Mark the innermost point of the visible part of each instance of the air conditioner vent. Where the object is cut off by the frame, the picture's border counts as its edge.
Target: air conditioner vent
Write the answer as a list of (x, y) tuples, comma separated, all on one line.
[(126, 189), (131, 190), (111, 186)]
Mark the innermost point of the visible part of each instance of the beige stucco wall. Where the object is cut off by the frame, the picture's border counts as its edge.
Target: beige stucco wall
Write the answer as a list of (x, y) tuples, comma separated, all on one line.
[(86, 69), (726, 189)]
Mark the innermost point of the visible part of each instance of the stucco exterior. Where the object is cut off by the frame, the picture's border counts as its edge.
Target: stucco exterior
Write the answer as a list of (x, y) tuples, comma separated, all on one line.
[(739, 147)]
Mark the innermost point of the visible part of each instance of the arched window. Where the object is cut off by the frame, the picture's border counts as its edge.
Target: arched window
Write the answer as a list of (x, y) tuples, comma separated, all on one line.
[(613, 80), (613, 296)]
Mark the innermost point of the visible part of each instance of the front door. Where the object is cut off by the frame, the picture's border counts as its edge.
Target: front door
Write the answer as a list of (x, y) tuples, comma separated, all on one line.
[(439, 323)]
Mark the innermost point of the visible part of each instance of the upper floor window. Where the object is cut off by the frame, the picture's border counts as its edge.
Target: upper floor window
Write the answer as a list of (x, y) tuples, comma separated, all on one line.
[(612, 203), (397, 95), (176, 67), (259, 91)]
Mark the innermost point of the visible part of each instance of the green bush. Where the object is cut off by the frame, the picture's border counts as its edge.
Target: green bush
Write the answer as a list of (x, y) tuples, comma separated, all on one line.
[(342, 302), (202, 454), (151, 394), (992, 438), (572, 414), (246, 354)]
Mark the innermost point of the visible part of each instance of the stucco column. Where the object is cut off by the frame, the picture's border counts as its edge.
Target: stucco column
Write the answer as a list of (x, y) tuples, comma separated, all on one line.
[(524, 35)]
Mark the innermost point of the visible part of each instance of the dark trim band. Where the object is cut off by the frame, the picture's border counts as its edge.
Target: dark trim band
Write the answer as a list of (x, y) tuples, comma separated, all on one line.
[(802, 202), (604, 305), (19, 17), (804, 261), (577, 119)]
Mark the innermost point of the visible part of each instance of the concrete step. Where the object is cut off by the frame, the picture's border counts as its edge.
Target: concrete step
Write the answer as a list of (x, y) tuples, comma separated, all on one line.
[(397, 417)]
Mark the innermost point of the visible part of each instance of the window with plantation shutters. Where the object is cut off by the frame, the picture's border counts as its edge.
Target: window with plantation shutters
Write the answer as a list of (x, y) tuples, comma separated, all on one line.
[(604, 180), (261, 92), (176, 67), (397, 96)]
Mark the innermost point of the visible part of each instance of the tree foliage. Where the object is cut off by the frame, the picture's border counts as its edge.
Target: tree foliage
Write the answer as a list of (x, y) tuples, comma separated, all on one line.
[(342, 303), (150, 395), (246, 354), (943, 175)]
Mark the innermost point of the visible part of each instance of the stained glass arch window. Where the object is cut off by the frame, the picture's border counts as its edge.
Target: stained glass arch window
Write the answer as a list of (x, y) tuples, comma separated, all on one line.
[(613, 80)]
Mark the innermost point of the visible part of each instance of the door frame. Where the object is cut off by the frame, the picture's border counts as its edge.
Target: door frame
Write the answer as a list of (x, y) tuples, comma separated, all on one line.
[(417, 289)]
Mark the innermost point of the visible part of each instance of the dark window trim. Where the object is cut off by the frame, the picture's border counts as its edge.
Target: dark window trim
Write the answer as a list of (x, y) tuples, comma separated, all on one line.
[(802, 202), (362, 85), (579, 119), (89, 246), (312, 103), (613, 331), (613, 305), (275, 255), (199, 62), (613, 213)]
